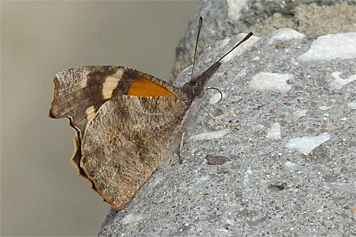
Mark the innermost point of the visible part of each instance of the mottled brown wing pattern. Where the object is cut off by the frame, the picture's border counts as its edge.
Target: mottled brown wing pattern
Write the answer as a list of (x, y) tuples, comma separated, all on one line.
[(126, 141), (78, 89)]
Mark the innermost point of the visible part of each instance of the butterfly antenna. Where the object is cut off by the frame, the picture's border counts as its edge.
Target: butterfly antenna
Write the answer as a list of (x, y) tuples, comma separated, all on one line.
[(237, 45), (196, 85), (197, 40)]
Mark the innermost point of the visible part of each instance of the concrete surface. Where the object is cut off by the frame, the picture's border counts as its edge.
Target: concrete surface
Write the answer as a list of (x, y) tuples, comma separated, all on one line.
[(286, 127)]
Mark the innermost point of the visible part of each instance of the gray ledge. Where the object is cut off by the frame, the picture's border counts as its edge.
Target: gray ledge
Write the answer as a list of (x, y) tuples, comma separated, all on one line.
[(290, 167)]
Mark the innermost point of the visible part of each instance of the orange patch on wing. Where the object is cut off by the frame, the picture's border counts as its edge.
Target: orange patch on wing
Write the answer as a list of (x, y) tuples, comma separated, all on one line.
[(145, 88)]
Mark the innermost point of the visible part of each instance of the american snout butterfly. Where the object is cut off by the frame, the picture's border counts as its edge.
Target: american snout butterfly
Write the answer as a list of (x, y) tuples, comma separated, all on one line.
[(125, 121)]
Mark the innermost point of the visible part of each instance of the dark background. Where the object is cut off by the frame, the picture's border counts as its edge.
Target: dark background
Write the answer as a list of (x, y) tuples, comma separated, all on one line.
[(41, 193)]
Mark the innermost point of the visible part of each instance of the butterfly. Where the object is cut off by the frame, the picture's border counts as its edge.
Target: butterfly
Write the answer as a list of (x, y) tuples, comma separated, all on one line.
[(125, 121)]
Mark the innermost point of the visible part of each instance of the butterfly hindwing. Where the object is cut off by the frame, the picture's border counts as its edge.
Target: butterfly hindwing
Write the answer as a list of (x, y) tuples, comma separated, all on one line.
[(126, 141)]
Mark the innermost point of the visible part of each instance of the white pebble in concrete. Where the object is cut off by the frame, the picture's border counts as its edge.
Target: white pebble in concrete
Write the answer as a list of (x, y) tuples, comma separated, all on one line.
[(274, 132), (332, 46), (306, 144), (285, 34), (270, 81), (338, 82)]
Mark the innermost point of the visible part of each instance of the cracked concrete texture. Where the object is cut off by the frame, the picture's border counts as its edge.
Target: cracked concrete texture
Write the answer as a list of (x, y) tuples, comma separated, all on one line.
[(312, 19), (307, 16)]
